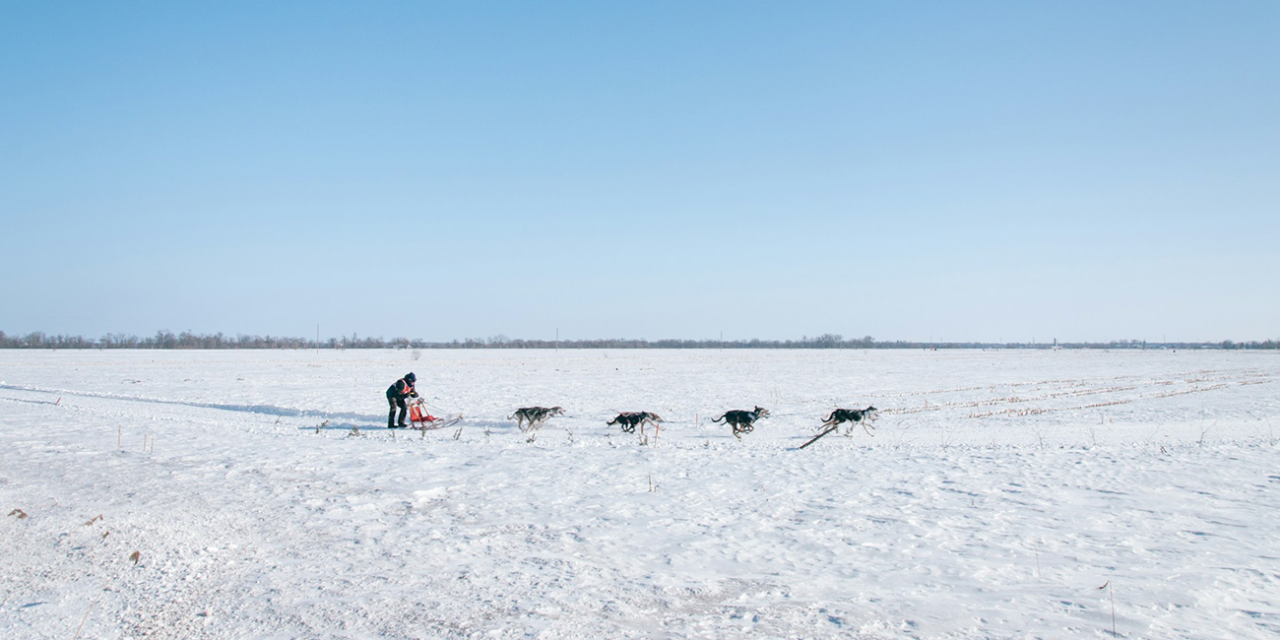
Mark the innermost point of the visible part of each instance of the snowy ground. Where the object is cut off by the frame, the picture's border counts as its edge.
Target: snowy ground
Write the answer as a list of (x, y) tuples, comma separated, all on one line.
[(1001, 490)]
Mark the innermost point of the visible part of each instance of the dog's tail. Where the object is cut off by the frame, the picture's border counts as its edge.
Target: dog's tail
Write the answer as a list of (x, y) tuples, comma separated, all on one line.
[(721, 418), (830, 415)]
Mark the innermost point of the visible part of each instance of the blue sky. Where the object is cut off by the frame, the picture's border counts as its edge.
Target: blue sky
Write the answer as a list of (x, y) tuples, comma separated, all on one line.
[(950, 171)]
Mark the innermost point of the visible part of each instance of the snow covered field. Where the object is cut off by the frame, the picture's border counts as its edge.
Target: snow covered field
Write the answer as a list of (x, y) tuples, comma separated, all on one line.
[(1001, 490)]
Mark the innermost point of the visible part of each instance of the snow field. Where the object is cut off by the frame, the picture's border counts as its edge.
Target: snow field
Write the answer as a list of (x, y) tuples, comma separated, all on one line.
[(1000, 491)]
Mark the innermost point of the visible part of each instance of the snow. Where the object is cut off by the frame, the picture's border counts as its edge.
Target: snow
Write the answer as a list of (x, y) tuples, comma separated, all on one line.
[(1001, 490)]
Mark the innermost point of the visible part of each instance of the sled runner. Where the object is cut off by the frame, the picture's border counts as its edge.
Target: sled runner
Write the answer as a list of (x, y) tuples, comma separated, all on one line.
[(421, 418)]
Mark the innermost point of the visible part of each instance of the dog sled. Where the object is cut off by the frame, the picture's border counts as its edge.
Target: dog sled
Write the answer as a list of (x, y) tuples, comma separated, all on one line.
[(420, 417)]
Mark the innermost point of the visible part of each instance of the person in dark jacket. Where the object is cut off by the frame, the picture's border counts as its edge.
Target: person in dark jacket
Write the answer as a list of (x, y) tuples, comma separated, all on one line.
[(396, 393)]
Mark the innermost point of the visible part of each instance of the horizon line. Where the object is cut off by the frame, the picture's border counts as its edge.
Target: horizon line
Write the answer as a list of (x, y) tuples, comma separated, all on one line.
[(165, 339)]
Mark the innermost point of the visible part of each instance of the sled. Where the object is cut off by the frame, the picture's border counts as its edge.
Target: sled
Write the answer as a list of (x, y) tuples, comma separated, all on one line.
[(420, 417)]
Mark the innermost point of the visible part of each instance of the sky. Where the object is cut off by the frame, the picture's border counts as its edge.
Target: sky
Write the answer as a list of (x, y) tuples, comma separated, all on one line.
[(986, 171)]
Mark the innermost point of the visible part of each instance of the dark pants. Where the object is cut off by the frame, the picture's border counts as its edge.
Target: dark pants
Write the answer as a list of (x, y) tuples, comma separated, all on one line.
[(396, 401)]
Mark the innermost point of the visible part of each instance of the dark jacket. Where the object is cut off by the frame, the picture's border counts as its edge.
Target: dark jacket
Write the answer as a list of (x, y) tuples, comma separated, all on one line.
[(402, 388)]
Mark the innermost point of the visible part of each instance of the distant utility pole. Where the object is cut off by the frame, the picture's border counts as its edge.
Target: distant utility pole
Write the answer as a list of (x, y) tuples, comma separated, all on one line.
[(317, 338), (557, 339)]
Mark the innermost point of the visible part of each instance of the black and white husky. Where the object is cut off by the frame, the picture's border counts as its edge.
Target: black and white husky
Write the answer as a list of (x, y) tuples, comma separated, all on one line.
[(742, 421), (851, 416), (535, 416), (630, 419)]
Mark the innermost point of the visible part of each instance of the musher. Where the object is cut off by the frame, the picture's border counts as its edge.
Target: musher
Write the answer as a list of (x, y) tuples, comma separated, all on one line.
[(396, 393)]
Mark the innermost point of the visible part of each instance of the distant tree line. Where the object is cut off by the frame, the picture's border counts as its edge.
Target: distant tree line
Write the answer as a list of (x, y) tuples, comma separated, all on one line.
[(189, 340)]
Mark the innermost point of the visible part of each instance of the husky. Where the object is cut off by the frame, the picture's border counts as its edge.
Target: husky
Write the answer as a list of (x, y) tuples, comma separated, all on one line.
[(535, 416), (742, 421), (851, 416), (629, 420)]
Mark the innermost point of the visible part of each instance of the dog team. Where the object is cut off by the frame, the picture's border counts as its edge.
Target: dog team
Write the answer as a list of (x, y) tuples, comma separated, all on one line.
[(532, 418)]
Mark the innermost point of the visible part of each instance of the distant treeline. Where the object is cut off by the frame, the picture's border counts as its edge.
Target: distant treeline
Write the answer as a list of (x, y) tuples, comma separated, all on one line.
[(188, 340)]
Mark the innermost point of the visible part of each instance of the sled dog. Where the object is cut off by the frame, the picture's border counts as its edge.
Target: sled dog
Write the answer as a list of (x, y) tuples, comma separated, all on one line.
[(851, 416), (535, 416), (742, 421), (630, 419)]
